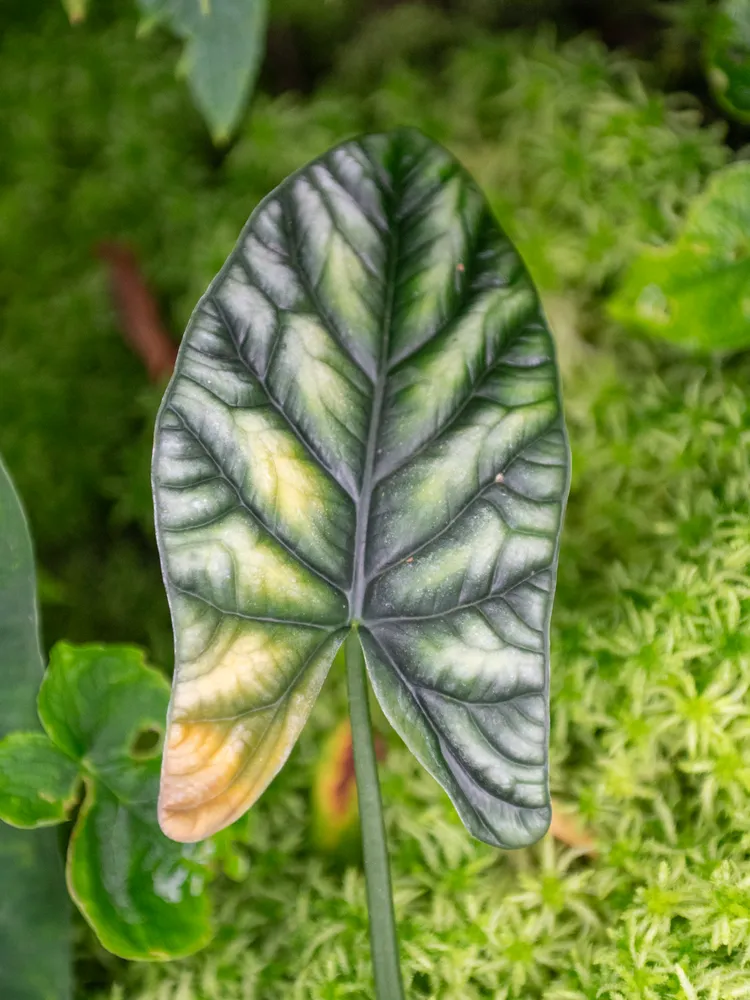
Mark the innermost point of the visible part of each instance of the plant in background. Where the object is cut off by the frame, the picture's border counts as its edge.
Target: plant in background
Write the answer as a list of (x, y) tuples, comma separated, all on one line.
[(363, 444), (224, 45), (716, 36), (99, 137), (696, 291), (659, 444), (727, 56), (101, 711), (335, 811), (35, 939)]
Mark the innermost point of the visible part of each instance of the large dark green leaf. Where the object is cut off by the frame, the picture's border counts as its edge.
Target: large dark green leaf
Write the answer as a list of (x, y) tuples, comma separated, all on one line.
[(224, 45), (35, 953), (141, 892), (364, 426)]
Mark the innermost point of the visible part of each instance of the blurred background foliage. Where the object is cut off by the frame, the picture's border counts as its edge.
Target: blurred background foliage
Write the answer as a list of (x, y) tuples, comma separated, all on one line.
[(592, 128)]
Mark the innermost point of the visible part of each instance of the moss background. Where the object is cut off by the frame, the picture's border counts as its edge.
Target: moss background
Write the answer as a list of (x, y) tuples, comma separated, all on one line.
[(587, 146)]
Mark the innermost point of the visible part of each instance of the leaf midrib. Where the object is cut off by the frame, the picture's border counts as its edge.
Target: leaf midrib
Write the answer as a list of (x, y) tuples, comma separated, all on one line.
[(359, 579)]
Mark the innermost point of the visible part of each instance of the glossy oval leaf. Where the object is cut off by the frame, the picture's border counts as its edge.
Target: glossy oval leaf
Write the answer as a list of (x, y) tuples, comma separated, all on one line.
[(364, 425), (141, 892), (696, 292), (35, 940)]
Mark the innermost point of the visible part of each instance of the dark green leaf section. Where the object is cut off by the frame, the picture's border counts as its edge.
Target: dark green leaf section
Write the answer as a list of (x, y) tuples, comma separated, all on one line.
[(364, 425), (35, 947), (141, 892)]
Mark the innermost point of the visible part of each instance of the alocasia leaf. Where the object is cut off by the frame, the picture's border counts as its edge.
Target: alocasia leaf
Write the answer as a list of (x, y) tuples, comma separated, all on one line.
[(224, 45), (696, 291), (35, 945), (141, 892), (728, 56), (364, 426)]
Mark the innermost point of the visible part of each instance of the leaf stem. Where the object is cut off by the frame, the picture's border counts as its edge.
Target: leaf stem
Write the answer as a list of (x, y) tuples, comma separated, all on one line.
[(383, 938)]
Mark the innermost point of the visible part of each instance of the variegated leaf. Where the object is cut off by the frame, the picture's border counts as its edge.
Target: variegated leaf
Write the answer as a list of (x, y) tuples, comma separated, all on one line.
[(364, 426)]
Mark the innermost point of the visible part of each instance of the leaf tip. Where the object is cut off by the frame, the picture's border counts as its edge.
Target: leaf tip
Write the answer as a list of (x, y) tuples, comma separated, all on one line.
[(221, 136), (203, 788)]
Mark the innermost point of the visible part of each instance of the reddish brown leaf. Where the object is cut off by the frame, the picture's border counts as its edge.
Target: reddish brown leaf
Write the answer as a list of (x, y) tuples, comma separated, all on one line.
[(138, 311)]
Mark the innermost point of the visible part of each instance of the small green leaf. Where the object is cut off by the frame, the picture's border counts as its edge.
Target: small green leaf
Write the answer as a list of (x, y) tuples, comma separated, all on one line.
[(696, 292), (144, 898), (728, 57), (38, 783), (76, 10), (35, 946), (364, 427), (96, 700), (224, 44), (140, 892)]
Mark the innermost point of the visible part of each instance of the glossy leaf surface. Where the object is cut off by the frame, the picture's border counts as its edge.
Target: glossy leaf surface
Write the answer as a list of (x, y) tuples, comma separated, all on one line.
[(38, 782), (364, 425), (224, 46), (728, 57), (141, 892), (696, 292), (35, 947)]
